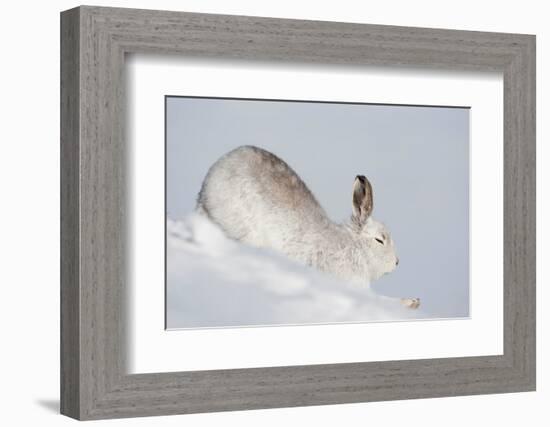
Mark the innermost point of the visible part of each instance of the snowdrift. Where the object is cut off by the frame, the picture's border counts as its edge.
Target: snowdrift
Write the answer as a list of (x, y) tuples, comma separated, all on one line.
[(213, 281)]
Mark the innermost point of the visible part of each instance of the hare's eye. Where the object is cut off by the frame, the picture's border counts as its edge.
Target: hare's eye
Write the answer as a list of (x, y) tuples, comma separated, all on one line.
[(379, 240)]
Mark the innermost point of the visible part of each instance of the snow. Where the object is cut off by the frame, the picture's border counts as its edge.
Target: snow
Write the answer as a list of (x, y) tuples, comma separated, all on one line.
[(213, 281)]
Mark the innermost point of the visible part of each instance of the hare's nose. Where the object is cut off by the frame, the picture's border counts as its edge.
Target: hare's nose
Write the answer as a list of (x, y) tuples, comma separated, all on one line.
[(396, 261)]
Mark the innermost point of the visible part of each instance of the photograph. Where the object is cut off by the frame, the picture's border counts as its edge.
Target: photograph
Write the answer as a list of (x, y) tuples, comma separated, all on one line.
[(300, 212)]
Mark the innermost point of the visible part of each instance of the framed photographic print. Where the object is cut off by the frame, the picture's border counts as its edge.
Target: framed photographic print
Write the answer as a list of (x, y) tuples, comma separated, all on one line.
[(262, 213)]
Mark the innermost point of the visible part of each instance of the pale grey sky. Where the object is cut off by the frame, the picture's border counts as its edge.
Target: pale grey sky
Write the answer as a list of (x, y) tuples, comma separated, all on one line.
[(417, 159)]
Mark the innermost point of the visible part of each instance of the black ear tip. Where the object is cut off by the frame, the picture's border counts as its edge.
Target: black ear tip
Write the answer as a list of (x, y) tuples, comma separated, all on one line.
[(361, 178)]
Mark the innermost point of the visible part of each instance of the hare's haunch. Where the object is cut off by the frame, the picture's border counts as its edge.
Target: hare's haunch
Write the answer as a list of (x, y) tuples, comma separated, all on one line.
[(256, 198)]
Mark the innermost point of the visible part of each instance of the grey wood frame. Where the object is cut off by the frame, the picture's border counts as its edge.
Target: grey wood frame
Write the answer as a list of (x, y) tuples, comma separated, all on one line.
[(94, 382)]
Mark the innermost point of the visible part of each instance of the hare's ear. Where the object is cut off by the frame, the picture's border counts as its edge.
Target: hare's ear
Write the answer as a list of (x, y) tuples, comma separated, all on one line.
[(362, 203)]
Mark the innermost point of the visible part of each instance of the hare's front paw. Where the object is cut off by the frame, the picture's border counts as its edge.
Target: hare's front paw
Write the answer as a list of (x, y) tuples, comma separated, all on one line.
[(411, 302)]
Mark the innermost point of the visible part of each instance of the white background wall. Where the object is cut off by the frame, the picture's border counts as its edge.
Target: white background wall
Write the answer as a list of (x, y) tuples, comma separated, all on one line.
[(29, 225)]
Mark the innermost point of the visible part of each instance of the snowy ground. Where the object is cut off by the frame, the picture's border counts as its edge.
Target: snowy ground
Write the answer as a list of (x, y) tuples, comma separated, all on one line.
[(213, 281)]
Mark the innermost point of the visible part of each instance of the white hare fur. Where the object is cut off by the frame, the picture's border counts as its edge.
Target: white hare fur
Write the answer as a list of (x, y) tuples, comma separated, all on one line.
[(256, 198)]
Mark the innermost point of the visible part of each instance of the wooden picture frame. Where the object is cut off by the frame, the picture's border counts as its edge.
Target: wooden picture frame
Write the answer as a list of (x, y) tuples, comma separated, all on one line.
[(94, 382)]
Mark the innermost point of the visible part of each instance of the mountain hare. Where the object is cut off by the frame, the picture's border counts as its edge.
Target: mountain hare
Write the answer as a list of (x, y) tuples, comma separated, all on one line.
[(256, 198)]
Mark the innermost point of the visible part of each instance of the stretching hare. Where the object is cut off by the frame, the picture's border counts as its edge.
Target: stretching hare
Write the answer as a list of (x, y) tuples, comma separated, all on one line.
[(256, 198)]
